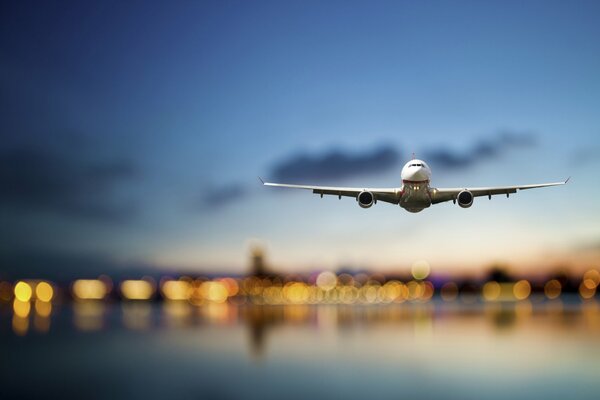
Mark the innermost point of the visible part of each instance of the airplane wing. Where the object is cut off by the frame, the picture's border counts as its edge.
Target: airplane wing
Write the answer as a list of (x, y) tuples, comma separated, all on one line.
[(447, 194), (388, 195)]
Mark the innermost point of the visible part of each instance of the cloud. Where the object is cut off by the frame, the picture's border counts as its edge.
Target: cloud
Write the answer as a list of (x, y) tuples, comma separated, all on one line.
[(334, 165), (585, 156), (219, 196), (35, 179), (481, 150)]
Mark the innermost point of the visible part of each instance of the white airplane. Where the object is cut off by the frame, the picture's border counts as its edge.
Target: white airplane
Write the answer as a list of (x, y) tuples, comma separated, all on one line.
[(415, 194)]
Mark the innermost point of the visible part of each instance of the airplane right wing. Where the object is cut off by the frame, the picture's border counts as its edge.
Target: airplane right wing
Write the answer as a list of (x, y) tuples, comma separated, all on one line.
[(441, 195)]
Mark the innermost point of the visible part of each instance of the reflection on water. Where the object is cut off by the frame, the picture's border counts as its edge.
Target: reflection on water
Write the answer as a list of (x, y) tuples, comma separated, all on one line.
[(174, 349)]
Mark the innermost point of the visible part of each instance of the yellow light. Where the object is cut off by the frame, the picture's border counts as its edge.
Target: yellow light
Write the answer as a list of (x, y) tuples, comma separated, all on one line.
[(491, 291), (214, 291), (44, 291), (176, 290), (88, 315), (552, 289), (415, 290), (137, 289), (449, 291), (21, 308), (89, 289), (43, 308), (296, 292), (20, 325), (23, 291), (420, 269), (522, 290), (326, 280), (390, 291), (369, 293)]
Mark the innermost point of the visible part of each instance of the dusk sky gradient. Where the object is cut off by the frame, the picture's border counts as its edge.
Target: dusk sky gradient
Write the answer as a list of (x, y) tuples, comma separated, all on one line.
[(133, 133)]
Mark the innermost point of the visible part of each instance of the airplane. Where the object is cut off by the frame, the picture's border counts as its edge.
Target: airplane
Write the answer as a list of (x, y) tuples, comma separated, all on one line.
[(415, 194)]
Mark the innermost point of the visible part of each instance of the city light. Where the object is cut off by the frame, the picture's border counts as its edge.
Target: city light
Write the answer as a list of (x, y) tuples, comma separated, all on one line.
[(23, 291), (176, 290), (521, 290), (137, 289), (44, 291), (89, 289), (552, 289), (420, 269)]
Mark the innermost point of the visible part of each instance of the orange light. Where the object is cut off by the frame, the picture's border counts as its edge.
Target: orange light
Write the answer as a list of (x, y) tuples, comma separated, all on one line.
[(44, 291), (491, 291), (593, 276), (586, 292), (522, 290), (552, 289), (43, 308)]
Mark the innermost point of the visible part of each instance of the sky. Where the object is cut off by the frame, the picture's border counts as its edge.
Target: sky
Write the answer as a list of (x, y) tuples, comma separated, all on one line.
[(133, 133)]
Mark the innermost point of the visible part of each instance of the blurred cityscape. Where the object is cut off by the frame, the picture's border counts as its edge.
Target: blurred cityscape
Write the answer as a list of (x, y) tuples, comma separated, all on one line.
[(34, 299)]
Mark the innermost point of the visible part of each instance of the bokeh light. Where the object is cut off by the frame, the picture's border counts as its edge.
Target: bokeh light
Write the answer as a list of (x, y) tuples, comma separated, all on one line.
[(176, 290), (326, 280), (44, 291), (137, 289), (522, 289), (491, 291), (552, 289), (89, 289), (214, 291), (420, 269), (23, 291)]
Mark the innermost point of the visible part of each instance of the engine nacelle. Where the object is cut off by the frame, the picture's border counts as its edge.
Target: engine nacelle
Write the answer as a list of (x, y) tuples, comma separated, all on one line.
[(465, 199), (365, 199)]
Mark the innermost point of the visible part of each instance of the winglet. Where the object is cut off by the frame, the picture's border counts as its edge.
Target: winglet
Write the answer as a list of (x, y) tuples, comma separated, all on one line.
[(567, 180), (261, 181)]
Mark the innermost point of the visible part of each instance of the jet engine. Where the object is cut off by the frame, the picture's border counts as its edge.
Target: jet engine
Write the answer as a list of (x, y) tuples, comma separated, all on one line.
[(365, 199), (465, 199)]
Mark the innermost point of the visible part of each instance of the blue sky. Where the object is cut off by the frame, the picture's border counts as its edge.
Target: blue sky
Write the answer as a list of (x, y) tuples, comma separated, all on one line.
[(123, 122)]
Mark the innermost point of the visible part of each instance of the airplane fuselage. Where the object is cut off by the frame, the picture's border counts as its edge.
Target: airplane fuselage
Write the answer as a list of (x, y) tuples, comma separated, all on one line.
[(415, 194)]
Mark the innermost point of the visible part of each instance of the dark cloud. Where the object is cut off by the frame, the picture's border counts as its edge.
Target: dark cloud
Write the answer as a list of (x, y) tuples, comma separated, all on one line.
[(483, 149), (585, 156), (36, 179), (334, 165), (218, 196)]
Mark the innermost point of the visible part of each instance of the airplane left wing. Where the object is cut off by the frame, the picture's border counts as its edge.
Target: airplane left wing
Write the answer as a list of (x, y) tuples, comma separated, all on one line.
[(441, 195), (388, 195)]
